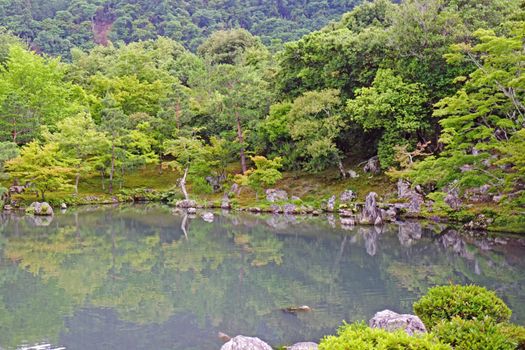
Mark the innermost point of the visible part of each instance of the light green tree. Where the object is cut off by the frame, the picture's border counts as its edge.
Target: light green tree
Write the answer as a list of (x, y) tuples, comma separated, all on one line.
[(45, 166), (266, 173)]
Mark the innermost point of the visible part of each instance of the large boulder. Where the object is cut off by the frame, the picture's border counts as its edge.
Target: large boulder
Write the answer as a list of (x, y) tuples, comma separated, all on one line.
[(42, 209), (392, 321), (371, 214), (241, 342), (415, 199), (275, 195), (303, 346)]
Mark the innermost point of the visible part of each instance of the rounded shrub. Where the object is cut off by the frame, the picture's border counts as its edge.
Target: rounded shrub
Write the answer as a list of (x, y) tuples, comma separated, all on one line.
[(360, 336), (480, 334), (466, 302), (514, 333)]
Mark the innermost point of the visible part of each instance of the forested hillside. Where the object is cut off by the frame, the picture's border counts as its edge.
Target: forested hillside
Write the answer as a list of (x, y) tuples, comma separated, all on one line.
[(432, 90), (56, 26)]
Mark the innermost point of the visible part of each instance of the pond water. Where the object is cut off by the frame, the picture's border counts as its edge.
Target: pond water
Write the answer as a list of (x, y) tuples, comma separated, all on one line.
[(128, 277)]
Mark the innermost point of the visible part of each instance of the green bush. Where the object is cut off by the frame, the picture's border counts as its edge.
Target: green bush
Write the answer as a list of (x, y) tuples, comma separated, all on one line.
[(514, 333), (361, 337), (466, 302), (479, 334)]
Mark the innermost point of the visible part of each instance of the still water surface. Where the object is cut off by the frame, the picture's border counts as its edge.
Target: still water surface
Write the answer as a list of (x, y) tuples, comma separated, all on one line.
[(128, 278)]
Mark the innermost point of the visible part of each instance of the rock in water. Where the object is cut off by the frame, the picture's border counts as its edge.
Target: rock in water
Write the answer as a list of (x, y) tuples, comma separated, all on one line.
[(37, 208), (371, 214), (241, 342), (392, 321), (207, 216), (303, 346), (274, 195)]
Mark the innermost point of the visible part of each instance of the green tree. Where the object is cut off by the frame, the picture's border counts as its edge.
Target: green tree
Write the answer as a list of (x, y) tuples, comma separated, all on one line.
[(392, 106), (266, 173), (45, 166)]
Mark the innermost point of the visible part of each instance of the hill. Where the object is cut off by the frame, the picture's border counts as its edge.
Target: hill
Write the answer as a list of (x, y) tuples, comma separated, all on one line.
[(56, 26)]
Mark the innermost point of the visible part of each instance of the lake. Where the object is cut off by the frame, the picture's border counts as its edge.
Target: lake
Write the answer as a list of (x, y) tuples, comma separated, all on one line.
[(129, 277)]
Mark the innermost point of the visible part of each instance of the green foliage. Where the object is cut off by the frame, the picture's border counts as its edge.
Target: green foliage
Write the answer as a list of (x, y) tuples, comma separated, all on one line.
[(392, 106), (360, 336), (466, 302), (265, 174), (45, 166), (514, 333), (482, 334)]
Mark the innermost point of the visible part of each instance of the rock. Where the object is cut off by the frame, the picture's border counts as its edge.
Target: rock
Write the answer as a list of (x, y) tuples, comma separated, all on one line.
[(389, 215), (498, 198), (353, 174), (371, 214), (372, 166), (330, 205), (392, 321), (466, 168), (7, 207), (225, 204), (347, 196), (316, 213), (276, 209), (347, 222), (207, 216), (295, 198), (235, 190), (63, 206), (303, 346), (481, 222), (346, 213), (186, 203), (415, 200), (192, 210), (37, 208), (16, 189), (255, 210), (241, 342), (274, 195), (296, 309), (479, 194), (289, 208), (452, 199)]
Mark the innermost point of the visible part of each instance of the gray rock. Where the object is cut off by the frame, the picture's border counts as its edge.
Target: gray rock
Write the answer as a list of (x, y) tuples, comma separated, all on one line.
[(481, 222), (42, 209), (316, 213), (295, 198), (303, 346), (63, 206), (346, 213), (452, 199), (255, 210), (7, 207), (392, 321), (371, 214), (415, 200), (186, 203), (192, 210), (330, 205), (353, 174), (276, 209), (479, 194), (289, 208), (274, 195), (207, 216), (347, 196), (241, 342), (372, 166)]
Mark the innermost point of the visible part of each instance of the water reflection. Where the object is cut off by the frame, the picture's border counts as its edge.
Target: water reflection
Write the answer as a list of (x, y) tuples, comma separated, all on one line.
[(142, 277)]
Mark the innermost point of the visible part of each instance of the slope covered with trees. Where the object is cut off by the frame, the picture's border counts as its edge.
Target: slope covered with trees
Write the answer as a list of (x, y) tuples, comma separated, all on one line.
[(434, 89), (57, 26)]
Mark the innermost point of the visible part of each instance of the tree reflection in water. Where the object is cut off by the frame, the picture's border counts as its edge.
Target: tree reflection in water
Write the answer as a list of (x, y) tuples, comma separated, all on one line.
[(139, 276)]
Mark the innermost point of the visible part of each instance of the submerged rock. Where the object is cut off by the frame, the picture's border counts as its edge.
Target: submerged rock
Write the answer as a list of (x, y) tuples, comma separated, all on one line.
[(37, 208), (207, 216), (274, 195), (241, 342), (303, 346), (392, 321)]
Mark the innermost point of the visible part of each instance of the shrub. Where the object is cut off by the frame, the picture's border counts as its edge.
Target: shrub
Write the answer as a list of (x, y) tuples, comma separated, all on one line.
[(466, 302), (514, 333), (359, 336), (480, 334)]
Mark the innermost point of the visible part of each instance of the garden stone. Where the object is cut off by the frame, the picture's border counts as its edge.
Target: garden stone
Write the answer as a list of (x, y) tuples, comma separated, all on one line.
[(274, 195), (392, 321), (241, 342), (303, 346)]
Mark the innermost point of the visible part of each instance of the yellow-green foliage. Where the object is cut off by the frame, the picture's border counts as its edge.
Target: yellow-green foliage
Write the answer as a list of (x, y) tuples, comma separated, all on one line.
[(479, 334), (359, 336), (466, 302)]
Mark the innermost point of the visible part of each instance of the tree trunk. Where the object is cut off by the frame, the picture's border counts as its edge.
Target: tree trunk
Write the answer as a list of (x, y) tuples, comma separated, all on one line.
[(241, 142), (183, 184), (341, 168), (112, 172), (102, 177), (77, 180)]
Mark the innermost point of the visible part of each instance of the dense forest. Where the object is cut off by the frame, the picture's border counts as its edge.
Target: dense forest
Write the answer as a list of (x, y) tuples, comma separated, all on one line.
[(56, 26), (433, 89)]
